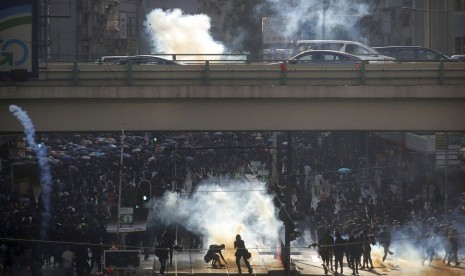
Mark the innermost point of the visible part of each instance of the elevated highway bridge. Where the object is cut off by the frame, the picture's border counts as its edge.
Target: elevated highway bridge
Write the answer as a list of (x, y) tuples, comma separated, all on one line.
[(376, 97)]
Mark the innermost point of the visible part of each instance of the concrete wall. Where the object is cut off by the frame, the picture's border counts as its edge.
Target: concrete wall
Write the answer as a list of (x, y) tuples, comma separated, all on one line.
[(403, 108)]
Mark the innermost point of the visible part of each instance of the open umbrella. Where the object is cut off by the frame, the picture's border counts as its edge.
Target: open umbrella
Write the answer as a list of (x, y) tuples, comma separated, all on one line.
[(66, 158), (344, 170), (86, 143)]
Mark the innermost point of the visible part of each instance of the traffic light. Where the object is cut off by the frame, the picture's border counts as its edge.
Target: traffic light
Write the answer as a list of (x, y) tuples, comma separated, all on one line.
[(144, 192)]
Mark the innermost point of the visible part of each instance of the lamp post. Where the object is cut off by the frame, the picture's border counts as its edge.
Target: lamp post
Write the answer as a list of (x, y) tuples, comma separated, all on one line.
[(323, 23), (427, 19), (119, 187)]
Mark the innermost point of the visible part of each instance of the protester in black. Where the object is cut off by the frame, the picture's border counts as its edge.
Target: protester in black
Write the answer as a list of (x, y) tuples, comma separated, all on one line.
[(161, 251), (214, 254), (339, 249), (241, 252), (169, 236), (367, 241), (453, 240), (385, 241), (355, 253), (428, 249), (325, 249)]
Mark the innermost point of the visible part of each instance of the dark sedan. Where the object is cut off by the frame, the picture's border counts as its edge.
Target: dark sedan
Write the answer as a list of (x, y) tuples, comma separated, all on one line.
[(412, 53), (147, 59)]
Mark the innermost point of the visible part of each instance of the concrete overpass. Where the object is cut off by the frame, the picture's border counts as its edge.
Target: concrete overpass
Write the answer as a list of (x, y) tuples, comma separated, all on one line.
[(376, 97)]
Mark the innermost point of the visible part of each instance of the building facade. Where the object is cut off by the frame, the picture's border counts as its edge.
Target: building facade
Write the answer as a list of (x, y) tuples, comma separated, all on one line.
[(86, 29)]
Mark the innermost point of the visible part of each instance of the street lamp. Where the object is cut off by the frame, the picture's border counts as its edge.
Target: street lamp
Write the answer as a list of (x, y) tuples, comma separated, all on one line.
[(427, 20), (119, 187), (325, 7)]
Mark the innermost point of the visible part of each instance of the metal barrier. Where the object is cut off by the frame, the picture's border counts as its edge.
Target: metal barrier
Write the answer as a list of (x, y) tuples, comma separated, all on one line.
[(253, 74)]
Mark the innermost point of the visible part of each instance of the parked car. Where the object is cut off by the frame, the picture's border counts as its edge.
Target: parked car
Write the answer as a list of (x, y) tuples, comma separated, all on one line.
[(109, 59), (325, 57), (350, 47), (458, 57), (412, 53), (147, 59)]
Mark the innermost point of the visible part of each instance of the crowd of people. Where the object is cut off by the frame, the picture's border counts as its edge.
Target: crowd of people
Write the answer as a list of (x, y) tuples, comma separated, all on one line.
[(86, 170)]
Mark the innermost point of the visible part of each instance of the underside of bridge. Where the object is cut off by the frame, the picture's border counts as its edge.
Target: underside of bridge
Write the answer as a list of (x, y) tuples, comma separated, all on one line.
[(402, 108)]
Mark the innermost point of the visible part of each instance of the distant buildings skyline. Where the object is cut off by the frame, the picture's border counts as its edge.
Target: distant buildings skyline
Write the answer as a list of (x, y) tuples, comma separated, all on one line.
[(86, 29)]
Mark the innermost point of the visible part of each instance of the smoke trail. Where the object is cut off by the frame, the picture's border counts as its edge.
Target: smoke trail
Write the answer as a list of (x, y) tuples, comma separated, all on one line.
[(176, 33), (41, 152), (219, 212)]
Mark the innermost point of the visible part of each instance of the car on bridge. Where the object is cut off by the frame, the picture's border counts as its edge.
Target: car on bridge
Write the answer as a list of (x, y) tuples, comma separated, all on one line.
[(458, 57), (109, 59), (325, 57), (350, 47), (147, 59), (412, 53)]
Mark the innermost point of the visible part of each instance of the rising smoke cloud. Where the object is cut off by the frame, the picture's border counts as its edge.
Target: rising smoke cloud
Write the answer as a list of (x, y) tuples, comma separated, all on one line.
[(174, 32), (219, 212), (339, 18), (41, 152)]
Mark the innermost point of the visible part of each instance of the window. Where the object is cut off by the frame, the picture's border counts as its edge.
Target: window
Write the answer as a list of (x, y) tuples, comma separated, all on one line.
[(404, 53), (357, 50), (459, 45), (459, 5), (305, 58)]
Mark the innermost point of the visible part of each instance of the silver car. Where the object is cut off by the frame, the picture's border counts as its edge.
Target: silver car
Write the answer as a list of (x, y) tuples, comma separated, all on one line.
[(350, 47), (325, 57)]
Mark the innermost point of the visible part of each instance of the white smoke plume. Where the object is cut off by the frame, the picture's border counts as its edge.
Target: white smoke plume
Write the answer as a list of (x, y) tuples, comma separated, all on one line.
[(41, 152), (173, 32), (320, 19), (219, 212)]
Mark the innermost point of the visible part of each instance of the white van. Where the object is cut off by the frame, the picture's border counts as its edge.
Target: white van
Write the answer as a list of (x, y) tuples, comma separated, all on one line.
[(345, 46)]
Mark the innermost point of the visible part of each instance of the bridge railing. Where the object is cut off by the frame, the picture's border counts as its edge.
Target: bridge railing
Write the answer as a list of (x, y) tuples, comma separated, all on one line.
[(250, 73)]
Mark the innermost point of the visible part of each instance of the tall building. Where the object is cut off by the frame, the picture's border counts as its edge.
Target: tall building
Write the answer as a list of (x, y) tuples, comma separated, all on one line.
[(86, 29), (437, 24)]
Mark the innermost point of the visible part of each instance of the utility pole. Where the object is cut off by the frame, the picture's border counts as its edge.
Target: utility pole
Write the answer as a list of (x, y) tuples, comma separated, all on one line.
[(287, 230), (119, 187), (446, 172)]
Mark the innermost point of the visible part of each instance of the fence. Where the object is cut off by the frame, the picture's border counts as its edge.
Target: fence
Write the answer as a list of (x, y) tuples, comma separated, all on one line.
[(236, 73)]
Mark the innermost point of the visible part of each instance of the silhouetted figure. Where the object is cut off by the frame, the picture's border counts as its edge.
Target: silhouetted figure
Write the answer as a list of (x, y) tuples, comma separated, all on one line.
[(96, 259), (355, 251), (213, 255), (385, 241), (241, 252), (325, 249), (170, 238), (429, 249), (339, 249), (453, 241), (367, 241), (67, 262), (162, 252)]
